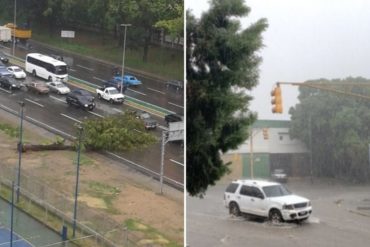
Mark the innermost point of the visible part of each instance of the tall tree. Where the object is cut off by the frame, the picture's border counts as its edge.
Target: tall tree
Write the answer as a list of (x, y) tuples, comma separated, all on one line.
[(222, 64), (336, 129)]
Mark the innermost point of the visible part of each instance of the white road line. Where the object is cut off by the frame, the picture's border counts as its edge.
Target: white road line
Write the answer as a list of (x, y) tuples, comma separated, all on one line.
[(78, 121), (136, 91), (99, 79), (115, 109), (176, 162), (175, 104), (5, 90), (50, 127), (96, 114), (9, 109), (162, 127), (155, 90), (72, 70), (56, 98), (84, 67), (33, 102), (133, 163)]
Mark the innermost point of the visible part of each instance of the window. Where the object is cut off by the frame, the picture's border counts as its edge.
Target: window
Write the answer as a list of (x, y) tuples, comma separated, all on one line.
[(246, 190), (232, 187), (256, 192)]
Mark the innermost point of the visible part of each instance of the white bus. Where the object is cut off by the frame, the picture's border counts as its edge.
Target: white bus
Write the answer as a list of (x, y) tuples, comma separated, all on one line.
[(46, 67)]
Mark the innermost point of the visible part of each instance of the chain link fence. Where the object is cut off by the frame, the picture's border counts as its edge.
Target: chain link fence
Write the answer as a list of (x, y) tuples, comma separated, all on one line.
[(48, 205)]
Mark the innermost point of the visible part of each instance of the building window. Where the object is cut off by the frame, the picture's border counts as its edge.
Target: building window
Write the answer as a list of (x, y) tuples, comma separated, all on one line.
[(281, 137)]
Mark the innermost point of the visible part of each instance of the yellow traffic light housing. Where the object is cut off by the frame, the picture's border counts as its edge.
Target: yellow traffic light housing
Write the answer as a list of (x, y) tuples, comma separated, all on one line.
[(265, 133), (277, 103)]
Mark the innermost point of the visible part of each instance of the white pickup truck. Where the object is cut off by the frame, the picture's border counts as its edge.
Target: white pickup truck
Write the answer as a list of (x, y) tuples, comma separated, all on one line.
[(110, 94)]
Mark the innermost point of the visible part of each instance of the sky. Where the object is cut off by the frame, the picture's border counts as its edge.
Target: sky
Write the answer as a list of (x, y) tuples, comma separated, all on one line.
[(305, 40)]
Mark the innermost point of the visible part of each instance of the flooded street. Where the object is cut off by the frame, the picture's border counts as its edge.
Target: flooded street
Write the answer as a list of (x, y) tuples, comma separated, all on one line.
[(340, 218)]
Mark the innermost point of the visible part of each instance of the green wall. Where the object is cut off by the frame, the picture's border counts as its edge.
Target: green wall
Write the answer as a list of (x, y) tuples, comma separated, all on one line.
[(261, 166)]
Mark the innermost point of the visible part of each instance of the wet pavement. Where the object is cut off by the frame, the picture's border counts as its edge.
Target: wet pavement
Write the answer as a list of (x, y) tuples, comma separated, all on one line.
[(339, 219)]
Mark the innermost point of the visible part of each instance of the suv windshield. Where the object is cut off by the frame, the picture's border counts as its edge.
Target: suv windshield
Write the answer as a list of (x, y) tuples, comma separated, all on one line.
[(275, 191)]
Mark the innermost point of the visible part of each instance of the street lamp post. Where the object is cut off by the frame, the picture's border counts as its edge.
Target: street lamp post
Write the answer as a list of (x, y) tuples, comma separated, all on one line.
[(15, 20), (77, 179), (20, 149), (123, 53)]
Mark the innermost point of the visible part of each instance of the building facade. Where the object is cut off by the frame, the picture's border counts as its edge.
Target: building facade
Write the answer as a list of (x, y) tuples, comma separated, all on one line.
[(269, 147)]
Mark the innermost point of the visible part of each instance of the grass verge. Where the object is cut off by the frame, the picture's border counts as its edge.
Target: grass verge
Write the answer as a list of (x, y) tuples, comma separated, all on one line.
[(166, 63)]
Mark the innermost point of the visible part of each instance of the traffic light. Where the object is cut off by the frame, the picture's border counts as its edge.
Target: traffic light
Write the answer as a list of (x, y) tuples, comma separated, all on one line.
[(265, 133), (277, 103)]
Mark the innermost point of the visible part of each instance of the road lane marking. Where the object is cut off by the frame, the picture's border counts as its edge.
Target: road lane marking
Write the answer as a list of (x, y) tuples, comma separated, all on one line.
[(115, 109), (155, 90), (133, 163), (5, 90), (33, 102), (9, 109), (64, 115), (96, 114), (56, 98), (162, 127), (176, 162), (73, 70), (50, 127), (175, 104), (99, 79), (84, 67), (136, 91)]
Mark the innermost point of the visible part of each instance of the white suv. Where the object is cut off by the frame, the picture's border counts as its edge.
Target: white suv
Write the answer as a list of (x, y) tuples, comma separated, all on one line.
[(266, 199)]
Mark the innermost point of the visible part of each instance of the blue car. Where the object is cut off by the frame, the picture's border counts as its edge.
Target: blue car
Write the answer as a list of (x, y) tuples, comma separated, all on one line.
[(129, 80)]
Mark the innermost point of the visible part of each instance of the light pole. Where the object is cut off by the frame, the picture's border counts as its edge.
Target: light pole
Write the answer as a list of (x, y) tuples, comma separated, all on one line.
[(20, 149), (123, 53), (15, 20), (77, 179)]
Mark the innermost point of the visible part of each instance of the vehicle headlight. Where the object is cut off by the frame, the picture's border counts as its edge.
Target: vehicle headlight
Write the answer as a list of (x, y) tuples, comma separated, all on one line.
[(288, 207), (86, 105)]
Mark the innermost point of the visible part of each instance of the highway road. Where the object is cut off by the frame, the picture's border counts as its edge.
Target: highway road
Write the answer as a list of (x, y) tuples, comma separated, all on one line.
[(53, 113), (153, 90)]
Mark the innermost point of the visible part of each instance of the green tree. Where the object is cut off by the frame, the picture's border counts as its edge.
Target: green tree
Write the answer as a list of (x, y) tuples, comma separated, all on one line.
[(338, 127), (117, 133), (222, 63)]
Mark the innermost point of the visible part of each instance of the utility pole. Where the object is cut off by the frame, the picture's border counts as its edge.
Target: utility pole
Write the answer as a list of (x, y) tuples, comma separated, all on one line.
[(251, 152)]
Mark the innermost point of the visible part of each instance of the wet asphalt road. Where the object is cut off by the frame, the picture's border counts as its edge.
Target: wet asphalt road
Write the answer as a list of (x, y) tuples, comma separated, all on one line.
[(335, 220), (152, 90), (53, 112)]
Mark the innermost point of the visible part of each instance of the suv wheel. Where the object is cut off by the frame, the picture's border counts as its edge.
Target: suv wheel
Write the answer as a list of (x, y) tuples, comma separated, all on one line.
[(275, 216), (234, 209), (34, 73)]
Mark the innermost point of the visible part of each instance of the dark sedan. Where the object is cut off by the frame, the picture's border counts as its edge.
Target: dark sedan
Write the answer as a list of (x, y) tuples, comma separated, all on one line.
[(81, 98), (10, 82), (3, 58)]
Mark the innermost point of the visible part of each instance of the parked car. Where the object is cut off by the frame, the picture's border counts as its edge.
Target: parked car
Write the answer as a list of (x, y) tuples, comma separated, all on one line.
[(17, 72), (10, 82), (279, 175), (129, 80), (81, 98), (173, 117), (58, 87), (148, 121), (3, 57), (266, 199), (176, 84), (38, 87)]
